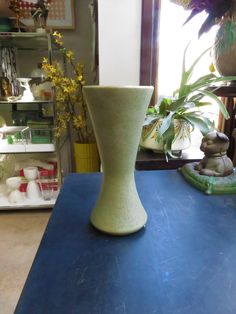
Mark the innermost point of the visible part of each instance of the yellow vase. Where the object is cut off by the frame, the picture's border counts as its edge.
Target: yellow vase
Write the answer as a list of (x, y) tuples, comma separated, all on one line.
[(86, 157)]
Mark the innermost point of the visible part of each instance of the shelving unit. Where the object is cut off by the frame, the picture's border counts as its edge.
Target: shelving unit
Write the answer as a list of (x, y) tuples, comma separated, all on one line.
[(29, 49), (26, 204)]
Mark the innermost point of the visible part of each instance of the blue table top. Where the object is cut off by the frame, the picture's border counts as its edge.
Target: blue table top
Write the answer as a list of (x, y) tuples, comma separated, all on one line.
[(183, 262)]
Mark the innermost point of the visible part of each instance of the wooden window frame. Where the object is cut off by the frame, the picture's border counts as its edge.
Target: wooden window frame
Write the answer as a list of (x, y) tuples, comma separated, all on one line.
[(149, 45)]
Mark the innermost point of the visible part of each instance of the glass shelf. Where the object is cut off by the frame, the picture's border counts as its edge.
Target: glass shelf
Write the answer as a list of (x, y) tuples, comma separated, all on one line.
[(27, 102), (25, 40)]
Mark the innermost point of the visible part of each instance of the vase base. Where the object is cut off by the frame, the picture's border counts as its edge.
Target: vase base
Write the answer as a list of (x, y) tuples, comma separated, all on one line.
[(117, 231), (119, 210)]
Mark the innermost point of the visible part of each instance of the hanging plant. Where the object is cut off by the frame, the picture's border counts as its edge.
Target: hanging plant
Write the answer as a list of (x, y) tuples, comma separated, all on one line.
[(215, 9)]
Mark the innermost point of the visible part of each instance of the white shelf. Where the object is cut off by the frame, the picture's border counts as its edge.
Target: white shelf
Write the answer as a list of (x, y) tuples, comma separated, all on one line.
[(16, 148), (26, 204), (12, 129), (26, 102)]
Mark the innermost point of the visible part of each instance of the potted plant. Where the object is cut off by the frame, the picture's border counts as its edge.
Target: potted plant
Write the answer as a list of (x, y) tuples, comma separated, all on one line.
[(175, 116), (223, 13), (71, 109)]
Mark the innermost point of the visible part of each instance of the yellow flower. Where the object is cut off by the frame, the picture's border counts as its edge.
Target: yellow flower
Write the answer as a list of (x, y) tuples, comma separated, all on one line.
[(212, 68), (70, 55), (69, 101), (58, 38), (45, 60), (59, 42), (78, 122), (57, 34)]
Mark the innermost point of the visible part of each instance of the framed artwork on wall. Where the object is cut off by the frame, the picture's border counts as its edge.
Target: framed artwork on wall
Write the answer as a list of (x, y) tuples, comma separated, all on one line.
[(60, 16)]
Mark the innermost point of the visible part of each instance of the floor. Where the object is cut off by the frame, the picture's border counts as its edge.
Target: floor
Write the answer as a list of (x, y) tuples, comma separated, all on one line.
[(20, 235)]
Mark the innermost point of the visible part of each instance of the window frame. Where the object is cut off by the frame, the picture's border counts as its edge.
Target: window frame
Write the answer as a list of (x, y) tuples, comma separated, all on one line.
[(150, 45)]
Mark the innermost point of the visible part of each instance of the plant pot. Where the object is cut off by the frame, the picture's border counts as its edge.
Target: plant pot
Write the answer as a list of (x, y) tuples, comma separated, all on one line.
[(150, 136), (86, 157), (224, 50), (117, 115)]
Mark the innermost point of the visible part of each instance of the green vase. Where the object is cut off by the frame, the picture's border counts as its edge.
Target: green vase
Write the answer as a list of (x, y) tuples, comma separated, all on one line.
[(117, 115)]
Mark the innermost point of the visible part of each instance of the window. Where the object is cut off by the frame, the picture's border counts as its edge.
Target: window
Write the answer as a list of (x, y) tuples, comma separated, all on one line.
[(173, 38)]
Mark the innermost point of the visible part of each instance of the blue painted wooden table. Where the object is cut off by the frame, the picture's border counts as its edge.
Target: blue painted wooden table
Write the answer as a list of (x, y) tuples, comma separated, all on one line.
[(183, 262)]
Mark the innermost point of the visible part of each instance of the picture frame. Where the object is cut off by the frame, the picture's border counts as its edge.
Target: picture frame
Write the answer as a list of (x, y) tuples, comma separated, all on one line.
[(61, 15)]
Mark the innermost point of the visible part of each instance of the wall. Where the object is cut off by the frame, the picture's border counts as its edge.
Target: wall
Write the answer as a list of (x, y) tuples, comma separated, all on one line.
[(119, 41), (79, 40)]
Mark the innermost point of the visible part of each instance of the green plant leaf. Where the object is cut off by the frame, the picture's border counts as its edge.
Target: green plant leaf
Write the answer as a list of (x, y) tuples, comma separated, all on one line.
[(190, 71), (204, 124), (150, 120), (168, 138), (189, 105), (196, 97), (184, 78), (176, 104), (206, 83), (151, 111), (202, 103), (203, 81), (223, 79), (204, 78), (218, 102), (166, 123), (186, 75), (164, 106)]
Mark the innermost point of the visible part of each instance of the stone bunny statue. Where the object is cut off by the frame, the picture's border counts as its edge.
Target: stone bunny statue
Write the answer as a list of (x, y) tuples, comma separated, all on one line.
[(215, 162)]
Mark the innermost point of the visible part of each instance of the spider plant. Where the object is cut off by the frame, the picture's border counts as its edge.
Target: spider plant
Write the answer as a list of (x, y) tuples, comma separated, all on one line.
[(186, 103)]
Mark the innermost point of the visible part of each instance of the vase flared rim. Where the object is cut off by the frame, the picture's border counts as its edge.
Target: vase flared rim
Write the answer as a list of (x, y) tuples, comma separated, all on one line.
[(118, 87)]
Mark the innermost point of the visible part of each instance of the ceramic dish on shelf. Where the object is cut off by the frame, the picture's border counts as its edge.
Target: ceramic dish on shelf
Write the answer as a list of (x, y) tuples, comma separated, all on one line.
[(13, 184)]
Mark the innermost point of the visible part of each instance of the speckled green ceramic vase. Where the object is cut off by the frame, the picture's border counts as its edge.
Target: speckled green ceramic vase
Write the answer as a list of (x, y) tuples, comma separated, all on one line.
[(117, 115)]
